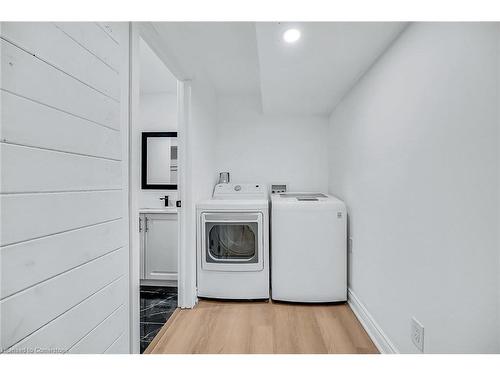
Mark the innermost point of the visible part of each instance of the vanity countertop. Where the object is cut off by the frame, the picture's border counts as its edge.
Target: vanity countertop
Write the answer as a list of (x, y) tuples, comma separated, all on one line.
[(163, 210)]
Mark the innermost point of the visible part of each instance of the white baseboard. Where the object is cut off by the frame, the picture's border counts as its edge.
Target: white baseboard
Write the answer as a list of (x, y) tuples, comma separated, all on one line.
[(379, 338)]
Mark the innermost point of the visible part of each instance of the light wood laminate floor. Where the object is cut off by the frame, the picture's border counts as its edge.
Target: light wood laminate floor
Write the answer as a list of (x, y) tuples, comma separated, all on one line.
[(262, 327)]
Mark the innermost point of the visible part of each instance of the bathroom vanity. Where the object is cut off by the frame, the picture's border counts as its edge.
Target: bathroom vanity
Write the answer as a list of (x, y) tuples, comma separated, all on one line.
[(158, 239)]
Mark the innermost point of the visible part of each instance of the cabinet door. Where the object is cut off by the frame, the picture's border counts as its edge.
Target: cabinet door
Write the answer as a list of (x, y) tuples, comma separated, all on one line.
[(160, 246)]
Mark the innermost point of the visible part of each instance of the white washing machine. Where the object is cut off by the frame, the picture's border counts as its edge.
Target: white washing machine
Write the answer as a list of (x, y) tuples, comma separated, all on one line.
[(233, 243), (308, 248)]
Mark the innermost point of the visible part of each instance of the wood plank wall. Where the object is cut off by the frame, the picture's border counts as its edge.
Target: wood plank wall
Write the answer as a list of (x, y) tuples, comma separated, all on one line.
[(63, 191)]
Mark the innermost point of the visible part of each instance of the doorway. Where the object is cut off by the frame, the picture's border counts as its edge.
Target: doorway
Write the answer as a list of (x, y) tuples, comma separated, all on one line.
[(155, 188)]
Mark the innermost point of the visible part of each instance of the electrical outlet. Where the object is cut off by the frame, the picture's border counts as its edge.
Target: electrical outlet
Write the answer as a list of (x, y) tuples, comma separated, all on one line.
[(278, 188), (417, 334)]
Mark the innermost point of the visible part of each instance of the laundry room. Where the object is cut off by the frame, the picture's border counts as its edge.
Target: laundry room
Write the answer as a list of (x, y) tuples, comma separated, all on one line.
[(398, 142), (250, 187)]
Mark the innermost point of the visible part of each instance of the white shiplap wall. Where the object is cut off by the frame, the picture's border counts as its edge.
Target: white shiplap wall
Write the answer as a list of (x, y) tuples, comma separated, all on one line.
[(63, 191)]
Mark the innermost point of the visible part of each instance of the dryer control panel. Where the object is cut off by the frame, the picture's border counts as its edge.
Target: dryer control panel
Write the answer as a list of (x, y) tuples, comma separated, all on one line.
[(240, 191)]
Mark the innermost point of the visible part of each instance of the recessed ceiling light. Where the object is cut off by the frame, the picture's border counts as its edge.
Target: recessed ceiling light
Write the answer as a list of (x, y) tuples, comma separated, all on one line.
[(291, 35)]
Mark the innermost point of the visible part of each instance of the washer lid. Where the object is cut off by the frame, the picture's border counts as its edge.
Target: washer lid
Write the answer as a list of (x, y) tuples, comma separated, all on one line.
[(304, 196)]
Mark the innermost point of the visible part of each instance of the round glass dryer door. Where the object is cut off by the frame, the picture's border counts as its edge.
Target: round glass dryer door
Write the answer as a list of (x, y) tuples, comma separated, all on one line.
[(235, 242), (232, 241)]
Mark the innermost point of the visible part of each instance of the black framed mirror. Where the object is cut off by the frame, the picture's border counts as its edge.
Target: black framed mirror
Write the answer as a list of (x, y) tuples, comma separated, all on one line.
[(159, 160)]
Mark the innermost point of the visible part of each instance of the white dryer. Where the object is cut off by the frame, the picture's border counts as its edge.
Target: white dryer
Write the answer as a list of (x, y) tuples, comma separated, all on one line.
[(308, 248), (233, 243)]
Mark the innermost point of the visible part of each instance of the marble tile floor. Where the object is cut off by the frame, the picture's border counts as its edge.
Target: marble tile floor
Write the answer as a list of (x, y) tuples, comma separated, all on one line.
[(156, 306)]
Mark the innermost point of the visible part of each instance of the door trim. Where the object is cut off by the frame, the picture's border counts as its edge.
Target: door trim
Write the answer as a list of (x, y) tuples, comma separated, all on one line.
[(186, 275)]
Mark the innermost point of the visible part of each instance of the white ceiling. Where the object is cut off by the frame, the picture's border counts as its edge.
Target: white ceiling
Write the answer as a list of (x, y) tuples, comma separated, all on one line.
[(308, 77), (225, 52), (154, 75), (313, 74)]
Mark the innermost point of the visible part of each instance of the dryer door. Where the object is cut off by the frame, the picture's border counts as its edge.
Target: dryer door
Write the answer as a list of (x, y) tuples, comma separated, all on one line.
[(232, 241)]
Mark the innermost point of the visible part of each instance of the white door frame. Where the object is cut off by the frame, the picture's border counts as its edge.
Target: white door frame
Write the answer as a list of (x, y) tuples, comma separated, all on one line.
[(183, 275), (150, 35)]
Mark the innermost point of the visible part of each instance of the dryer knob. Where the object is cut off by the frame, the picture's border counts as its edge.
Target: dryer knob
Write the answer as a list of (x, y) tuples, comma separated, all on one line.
[(237, 188)]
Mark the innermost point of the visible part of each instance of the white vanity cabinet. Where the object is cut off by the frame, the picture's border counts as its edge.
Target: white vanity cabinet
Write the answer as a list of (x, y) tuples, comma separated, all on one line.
[(158, 246)]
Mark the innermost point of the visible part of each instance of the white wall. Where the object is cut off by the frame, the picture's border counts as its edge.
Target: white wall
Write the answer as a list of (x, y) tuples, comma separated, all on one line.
[(64, 244), (157, 112), (414, 153), (498, 182), (269, 148), (200, 172)]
